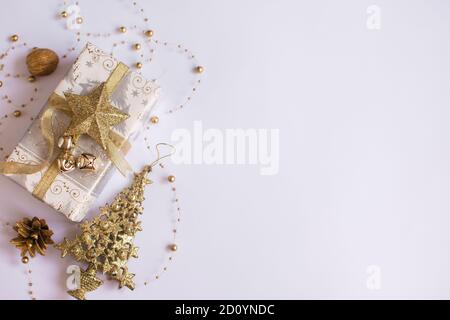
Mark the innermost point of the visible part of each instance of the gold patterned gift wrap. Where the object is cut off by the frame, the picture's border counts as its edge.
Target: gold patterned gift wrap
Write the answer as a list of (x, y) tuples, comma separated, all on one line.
[(89, 122)]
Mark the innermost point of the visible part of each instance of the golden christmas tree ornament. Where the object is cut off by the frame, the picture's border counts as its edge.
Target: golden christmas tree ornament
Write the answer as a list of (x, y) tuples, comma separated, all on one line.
[(139, 65), (106, 242), (123, 29), (149, 33), (171, 178), (64, 14), (14, 38), (42, 62), (137, 46), (79, 20), (33, 236), (17, 113)]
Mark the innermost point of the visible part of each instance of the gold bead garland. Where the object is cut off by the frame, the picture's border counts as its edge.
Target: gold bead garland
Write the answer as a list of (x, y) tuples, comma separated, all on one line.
[(151, 44), (5, 76), (30, 282), (172, 248), (148, 34), (28, 271)]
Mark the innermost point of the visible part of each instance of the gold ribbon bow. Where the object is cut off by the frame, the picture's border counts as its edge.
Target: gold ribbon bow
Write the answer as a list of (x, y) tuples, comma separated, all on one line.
[(92, 115)]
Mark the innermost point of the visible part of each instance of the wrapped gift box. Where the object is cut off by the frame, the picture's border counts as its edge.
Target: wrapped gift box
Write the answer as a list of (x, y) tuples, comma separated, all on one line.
[(72, 193)]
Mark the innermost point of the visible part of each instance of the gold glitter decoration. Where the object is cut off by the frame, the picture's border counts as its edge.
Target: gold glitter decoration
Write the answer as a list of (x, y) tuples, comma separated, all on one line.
[(34, 236), (93, 115), (88, 282), (106, 241)]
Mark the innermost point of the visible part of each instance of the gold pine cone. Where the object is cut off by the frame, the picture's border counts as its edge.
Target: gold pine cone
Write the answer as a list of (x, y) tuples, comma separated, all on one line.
[(34, 236), (42, 62)]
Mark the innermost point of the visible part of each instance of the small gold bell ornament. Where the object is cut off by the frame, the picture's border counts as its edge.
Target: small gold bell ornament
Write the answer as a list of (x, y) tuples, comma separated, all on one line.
[(86, 161), (67, 162)]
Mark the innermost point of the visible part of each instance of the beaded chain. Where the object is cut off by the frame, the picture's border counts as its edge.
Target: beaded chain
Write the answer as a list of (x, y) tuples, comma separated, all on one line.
[(151, 44)]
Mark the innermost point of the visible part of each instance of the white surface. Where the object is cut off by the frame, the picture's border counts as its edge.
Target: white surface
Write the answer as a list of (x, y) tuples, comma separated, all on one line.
[(364, 160)]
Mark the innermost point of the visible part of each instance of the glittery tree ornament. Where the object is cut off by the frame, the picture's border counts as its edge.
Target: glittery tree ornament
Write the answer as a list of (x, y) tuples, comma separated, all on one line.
[(106, 241)]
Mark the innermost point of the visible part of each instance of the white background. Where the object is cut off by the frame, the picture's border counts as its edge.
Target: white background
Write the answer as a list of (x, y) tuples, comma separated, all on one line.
[(364, 173)]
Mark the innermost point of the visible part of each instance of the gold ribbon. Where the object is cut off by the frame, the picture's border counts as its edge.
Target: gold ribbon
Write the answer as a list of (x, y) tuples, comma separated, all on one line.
[(115, 143)]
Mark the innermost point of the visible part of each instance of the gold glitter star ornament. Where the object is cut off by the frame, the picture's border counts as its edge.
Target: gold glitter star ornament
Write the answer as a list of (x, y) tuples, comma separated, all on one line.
[(93, 115)]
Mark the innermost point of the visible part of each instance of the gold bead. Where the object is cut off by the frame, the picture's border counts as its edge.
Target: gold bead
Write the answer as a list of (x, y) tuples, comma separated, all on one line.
[(199, 69), (139, 65), (64, 14), (154, 119), (173, 247), (137, 46), (14, 38), (171, 178), (123, 29), (1, 84), (79, 20), (31, 79), (25, 259), (149, 33), (17, 113)]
